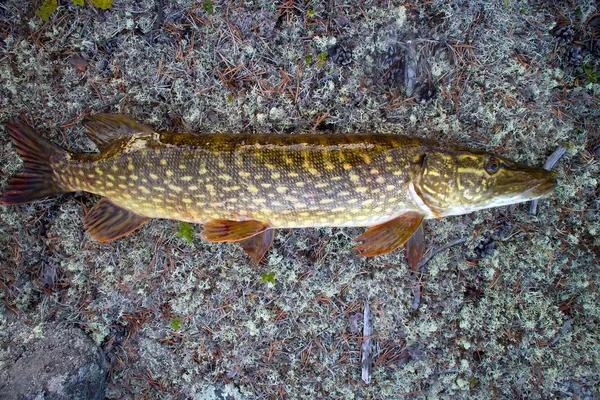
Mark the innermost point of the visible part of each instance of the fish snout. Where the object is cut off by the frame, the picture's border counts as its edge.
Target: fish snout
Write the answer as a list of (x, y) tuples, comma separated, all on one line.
[(547, 183)]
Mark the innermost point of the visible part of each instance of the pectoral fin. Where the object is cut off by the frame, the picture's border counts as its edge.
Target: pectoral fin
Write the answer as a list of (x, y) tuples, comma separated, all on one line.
[(415, 246), (224, 230), (257, 245), (390, 235), (107, 221), (106, 128)]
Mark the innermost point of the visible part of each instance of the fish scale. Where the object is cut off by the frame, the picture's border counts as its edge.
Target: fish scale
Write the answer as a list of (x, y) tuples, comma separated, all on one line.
[(319, 185), (242, 187)]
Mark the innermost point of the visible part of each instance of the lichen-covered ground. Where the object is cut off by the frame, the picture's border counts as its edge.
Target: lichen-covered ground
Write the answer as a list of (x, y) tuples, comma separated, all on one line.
[(185, 320)]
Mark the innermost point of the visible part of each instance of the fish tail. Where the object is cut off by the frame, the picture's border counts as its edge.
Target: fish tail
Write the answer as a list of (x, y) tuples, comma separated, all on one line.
[(36, 180)]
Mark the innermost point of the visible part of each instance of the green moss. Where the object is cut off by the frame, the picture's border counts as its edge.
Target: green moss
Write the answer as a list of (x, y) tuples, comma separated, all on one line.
[(590, 73), (186, 231), (102, 4), (321, 57), (268, 277), (175, 323), (46, 9), (207, 5)]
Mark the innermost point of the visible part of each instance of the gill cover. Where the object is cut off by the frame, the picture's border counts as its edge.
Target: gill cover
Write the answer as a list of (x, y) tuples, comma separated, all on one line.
[(434, 181)]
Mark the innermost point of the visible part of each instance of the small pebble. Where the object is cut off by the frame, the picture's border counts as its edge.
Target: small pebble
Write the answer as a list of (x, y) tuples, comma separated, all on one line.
[(79, 62)]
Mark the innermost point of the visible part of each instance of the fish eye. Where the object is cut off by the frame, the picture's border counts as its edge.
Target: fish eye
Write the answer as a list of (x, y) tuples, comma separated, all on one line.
[(492, 165)]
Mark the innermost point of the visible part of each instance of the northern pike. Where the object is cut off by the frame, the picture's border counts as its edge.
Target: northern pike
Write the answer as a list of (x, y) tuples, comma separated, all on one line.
[(243, 186)]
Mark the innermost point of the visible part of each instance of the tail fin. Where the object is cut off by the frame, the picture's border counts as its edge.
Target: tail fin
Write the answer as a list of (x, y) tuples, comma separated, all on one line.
[(36, 179)]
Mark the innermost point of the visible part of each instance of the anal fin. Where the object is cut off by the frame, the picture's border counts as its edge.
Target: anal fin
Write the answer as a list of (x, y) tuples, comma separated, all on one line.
[(107, 221), (224, 230), (388, 236), (258, 245)]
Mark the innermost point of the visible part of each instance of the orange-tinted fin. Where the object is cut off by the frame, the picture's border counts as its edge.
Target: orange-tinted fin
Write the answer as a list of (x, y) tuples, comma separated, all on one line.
[(415, 246), (106, 128), (36, 179), (390, 235), (107, 221), (258, 245), (224, 230)]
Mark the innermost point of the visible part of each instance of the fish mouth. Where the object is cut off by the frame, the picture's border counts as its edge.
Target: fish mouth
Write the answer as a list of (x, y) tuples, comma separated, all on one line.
[(546, 187), (528, 186), (543, 188)]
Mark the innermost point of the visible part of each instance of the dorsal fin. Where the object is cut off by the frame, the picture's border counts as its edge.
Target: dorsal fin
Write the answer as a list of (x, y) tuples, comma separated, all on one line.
[(104, 129)]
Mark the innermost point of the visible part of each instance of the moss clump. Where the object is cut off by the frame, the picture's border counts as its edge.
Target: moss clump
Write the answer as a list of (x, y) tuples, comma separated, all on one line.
[(48, 7)]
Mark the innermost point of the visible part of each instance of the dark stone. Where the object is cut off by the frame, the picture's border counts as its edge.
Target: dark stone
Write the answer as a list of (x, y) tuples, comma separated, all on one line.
[(60, 362), (212, 116), (485, 248)]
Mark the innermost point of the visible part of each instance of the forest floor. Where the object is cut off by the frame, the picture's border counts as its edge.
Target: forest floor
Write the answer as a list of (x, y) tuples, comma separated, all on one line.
[(516, 319)]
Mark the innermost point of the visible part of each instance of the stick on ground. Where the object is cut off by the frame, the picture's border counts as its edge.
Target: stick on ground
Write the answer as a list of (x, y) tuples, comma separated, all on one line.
[(550, 162), (367, 343)]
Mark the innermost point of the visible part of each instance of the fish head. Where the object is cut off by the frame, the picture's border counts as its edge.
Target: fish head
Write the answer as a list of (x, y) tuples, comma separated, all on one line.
[(461, 182)]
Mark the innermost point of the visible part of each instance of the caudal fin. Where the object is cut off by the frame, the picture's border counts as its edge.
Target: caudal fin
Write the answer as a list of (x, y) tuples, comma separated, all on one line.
[(35, 180)]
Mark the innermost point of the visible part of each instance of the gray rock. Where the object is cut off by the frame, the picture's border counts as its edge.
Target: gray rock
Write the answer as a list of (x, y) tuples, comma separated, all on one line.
[(51, 361)]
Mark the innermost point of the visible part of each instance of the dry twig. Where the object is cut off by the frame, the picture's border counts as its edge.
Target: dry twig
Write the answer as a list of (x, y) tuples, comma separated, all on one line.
[(366, 362), (550, 162)]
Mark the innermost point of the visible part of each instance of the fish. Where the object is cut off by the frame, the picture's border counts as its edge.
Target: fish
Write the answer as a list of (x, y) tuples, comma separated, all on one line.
[(242, 187)]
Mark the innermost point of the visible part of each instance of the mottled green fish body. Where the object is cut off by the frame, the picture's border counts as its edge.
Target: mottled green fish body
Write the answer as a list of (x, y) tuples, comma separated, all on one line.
[(241, 185)]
